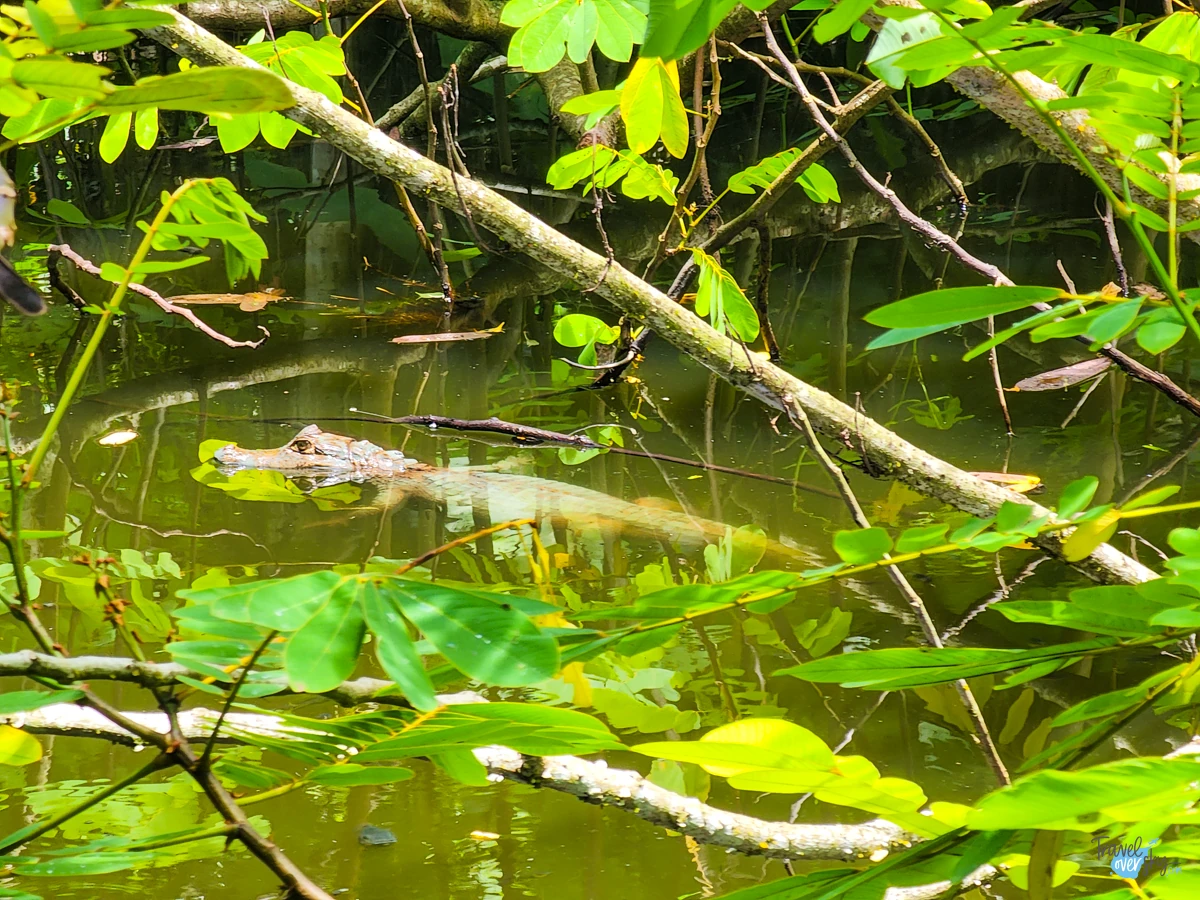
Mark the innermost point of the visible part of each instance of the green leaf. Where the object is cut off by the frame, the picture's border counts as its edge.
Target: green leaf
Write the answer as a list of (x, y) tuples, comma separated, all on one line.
[(1151, 498), (354, 775), (1051, 798), (322, 654), (394, 648), (839, 19), (222, 89), (922, 537), (957, 306), (1077, 495), (814, 179), (112, 273), (677, 27), (60, 78), (91, 40), (283, 604), (238, 132), (66, 211), (524, 727), (719, 297), (23, 701), (85, 864), (746, 745), (865, 545), (919, 666), (480, 634), (579, 330), (548, 28), (145, 128)]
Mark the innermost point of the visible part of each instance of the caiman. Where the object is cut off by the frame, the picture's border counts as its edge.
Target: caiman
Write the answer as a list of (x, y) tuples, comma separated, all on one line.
[(331, 459)]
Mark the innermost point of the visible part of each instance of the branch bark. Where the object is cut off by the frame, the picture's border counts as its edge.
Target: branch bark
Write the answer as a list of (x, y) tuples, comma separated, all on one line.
[(886, 453)]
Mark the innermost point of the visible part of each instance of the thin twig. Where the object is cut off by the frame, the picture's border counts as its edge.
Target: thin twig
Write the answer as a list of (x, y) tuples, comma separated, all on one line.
[(233, 692), (994, 364), (458, 542), (982, 735), (57, 251)]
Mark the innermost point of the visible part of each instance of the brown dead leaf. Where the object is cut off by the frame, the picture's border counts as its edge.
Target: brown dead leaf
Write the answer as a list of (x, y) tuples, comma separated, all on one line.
[(1149, 291), (1060, 379), (447, 337), (249, 302)]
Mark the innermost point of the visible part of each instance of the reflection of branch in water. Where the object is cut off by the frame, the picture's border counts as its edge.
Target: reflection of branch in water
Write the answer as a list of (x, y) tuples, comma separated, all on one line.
[(1002, 593), (1149, 478), (97, 508)]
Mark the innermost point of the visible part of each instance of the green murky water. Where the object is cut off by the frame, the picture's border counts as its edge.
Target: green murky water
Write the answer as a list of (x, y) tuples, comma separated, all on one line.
[(329, 352)]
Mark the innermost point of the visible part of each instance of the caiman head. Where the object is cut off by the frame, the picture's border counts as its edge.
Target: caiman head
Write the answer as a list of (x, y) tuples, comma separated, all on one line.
[(319, 454)]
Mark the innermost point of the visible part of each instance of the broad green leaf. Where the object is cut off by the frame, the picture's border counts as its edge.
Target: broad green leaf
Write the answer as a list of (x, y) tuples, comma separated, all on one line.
[(865, 545), (208, 90), (579, 330), (394, 647), (1051, 798), (921, 537), (814, 179), (322, 654), (652, 109), (548, 28), (918, 666), (115, 136), (18, 748), (956, 306), (353, 775), (677, 27), (145, 128), (839, 18), (60, 78), (237, 132), (480, 634), (1077, 495), (66, 211), (283, 604)]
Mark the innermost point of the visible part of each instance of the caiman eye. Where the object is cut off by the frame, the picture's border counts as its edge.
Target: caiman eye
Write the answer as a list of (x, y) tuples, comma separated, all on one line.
[(302, 446)]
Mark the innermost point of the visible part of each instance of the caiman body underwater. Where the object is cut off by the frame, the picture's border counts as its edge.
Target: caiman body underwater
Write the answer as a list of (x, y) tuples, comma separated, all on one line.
[(333, 459)]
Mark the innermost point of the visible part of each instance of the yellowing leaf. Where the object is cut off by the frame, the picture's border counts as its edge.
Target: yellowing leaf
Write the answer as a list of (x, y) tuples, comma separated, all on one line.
[(652, 109), (18, 748), (767, 734), (1090, 535), (572, 674)]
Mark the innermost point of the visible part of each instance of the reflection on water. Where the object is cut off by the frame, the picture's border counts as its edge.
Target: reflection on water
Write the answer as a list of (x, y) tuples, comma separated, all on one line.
[(327, 357)]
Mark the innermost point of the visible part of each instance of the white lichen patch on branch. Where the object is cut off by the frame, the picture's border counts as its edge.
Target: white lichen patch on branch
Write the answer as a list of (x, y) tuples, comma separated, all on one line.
[(595, 782)]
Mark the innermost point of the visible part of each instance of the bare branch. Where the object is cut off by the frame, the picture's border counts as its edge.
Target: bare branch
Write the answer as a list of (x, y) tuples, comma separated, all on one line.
[(86, 265)]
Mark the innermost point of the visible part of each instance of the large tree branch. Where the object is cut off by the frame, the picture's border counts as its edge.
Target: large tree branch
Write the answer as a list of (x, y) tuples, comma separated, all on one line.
[(885, 453)]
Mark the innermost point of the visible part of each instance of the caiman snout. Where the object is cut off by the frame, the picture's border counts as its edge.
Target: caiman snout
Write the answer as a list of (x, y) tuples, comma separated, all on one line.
[(314, 450)]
